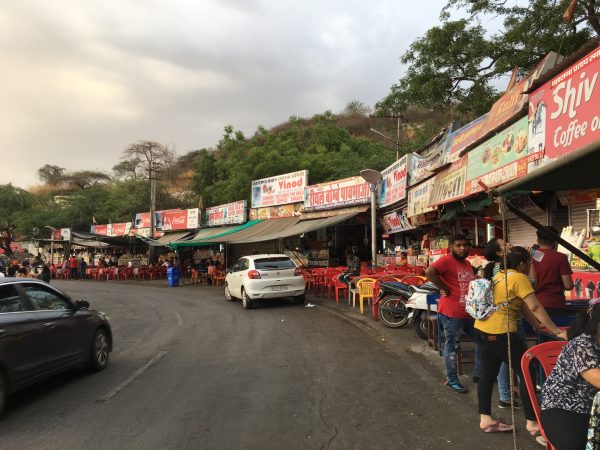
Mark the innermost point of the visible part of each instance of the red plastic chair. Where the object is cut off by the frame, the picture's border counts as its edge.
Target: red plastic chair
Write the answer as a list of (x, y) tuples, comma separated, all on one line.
[(330, 274), (546, 354), (339, 286)]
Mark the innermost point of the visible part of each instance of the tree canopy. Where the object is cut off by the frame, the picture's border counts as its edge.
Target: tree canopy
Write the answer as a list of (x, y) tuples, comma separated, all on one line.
[(457, 65)]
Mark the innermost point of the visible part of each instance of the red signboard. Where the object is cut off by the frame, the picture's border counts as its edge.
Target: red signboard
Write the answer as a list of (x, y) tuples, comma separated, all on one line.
[(100, 229), (173, 220), (564, 114)]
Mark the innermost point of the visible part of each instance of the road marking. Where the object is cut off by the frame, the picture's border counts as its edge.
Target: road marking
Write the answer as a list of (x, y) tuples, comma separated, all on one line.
[(135, 375), (179, 319)]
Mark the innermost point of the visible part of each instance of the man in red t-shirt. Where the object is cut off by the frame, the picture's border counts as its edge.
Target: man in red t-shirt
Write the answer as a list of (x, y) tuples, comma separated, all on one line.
[(552, 273), (73, 267), (452, 274)]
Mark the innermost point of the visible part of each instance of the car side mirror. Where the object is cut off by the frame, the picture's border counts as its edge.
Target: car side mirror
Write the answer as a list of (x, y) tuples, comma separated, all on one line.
[(82, 304)]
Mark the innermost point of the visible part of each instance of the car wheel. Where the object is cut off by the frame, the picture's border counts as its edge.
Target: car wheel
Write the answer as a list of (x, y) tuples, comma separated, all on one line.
[(299, 299), (246, 301), (228, 296), (99, 351), (3, 391)]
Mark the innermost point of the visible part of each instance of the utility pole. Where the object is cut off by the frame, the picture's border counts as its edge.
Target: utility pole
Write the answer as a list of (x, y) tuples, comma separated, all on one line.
[(400, 119), (152, 207)]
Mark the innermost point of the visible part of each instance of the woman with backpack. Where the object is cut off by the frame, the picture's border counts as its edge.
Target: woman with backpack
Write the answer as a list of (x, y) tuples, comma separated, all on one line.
[(513, 296)]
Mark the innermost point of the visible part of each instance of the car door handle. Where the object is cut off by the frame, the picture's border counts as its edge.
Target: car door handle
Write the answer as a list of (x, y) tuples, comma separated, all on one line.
[(49, 324)]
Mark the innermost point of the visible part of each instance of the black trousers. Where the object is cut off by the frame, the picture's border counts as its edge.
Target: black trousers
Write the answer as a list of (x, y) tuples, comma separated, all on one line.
[(494, 351), (566, 430)]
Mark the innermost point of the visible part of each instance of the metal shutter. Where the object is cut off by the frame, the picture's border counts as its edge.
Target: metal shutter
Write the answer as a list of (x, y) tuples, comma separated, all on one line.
[(521, 233), (578, 213)]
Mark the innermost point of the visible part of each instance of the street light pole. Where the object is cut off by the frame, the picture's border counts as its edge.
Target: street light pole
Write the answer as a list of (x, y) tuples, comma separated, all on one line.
[(373, 177), (395, 142)]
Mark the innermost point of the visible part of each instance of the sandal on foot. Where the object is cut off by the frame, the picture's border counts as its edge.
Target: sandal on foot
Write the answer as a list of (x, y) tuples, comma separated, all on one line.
[(498, 427)]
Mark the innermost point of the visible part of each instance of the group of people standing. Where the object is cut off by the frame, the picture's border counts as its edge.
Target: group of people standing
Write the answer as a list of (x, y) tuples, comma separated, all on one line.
[(513, 273)]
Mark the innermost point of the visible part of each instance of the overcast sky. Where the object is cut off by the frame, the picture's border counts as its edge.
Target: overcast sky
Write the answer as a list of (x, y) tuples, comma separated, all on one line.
[(81, 80)]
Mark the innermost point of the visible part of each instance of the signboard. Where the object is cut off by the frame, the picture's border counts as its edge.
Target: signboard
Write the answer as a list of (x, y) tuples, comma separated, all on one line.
[(276, 212), (463, 137), (422, 167), (337, 194), (450, 183), (418, 198), (392, 187), (227, 214), (279, 190), (577, 197), (170, 219), (193, 218), (563, 114), (100, 229), (513, 101), (119, 229), (498, 160), (65, 234), (396, 222)]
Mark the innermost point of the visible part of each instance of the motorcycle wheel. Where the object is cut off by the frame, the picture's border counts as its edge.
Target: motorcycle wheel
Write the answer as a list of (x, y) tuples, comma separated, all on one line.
[(393, 312), (420, 324)]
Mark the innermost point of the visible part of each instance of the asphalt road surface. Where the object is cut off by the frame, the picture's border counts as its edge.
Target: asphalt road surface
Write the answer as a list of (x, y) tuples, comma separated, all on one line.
[(190, 370)]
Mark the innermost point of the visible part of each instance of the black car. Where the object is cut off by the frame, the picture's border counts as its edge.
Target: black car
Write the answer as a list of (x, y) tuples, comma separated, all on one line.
[(44, 332)]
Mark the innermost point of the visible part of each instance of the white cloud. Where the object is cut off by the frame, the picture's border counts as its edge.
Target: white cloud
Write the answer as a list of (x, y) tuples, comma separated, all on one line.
[(82, 80)]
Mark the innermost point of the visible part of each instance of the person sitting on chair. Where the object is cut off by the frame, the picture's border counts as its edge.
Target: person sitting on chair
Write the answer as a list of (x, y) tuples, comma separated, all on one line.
[(353, 267), (568, 393)]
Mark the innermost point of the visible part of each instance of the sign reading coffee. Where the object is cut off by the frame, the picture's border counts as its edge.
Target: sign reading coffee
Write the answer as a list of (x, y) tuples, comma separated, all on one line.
[(563, 114)]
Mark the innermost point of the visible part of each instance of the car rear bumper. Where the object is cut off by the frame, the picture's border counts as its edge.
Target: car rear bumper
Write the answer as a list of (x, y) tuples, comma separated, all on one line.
[(291, 291)]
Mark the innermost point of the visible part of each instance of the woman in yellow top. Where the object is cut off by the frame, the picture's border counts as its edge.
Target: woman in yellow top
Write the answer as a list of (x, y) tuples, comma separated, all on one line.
[(491, 336)]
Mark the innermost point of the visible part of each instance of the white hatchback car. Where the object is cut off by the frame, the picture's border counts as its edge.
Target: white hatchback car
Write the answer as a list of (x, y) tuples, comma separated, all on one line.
[(260, 277)]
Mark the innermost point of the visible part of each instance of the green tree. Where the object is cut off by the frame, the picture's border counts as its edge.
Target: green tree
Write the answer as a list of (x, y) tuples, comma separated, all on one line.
[(454, 65)]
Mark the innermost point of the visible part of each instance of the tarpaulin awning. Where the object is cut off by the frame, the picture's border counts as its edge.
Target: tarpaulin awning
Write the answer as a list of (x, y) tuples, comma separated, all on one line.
[(209, 236), (576, 170), (167, 238), (354, 210), (291, 226), (269, 227)]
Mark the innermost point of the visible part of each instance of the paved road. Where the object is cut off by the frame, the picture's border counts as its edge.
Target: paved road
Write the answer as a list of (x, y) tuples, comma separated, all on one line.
[(192, 371)]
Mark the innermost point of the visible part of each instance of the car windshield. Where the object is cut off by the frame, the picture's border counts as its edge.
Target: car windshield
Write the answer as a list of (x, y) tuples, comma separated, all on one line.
[(274, 263)]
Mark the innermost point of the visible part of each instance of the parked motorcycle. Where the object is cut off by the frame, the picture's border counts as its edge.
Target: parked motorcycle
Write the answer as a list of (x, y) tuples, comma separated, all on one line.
[(392, 299), (399, 303), (417, 307)]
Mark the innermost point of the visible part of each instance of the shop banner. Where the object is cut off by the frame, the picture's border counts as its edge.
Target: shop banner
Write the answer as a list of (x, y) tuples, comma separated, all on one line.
[(418, 198), (563, 114), (102, 230), (227, 214), (279, 190), (337, 194), (392, 187), (142, 220), (463, 137), (119, 229), (450, 183), (276, 212), (422, 167), (65, 234), (514, 100), (396, 222), (423, 219), (193, 218), (577, 197), (498, 160)]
